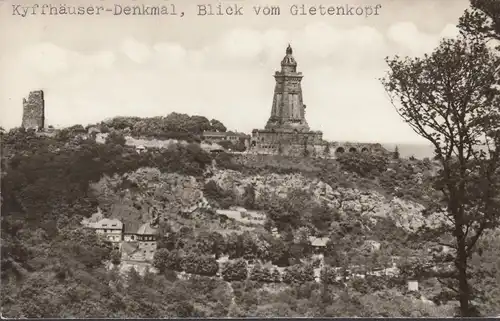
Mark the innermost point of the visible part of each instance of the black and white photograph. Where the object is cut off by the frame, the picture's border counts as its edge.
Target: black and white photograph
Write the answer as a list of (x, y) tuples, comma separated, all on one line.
[(250, 159)]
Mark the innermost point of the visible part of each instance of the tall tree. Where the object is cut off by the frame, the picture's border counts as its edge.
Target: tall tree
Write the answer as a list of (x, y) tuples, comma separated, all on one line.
[(482, 19), (448, 98)]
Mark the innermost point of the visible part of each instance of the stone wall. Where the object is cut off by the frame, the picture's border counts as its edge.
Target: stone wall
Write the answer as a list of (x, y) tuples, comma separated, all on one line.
[(34, 110), (285, 142), (322, 149)]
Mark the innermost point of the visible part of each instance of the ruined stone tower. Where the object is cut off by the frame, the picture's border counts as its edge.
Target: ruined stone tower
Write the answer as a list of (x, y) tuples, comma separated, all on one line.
[(34, 110), (288, 109)]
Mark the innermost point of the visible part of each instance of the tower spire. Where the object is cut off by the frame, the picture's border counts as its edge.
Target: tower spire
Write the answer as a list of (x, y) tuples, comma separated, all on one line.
[(287, 112), (288, 60)]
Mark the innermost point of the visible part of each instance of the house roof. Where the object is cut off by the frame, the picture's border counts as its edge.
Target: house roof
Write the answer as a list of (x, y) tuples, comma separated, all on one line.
[(96, 217), (129, 247), (93, 219), (130, 227), (107, 223), (147, 229), (318, 241)]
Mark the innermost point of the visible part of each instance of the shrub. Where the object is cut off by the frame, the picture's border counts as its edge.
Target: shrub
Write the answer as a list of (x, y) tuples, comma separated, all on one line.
[(166, 260), (261, 274), (364, 164), (329, 275), (115, 138), (235, 271), (298, 273), (115, 257), (199, 264)]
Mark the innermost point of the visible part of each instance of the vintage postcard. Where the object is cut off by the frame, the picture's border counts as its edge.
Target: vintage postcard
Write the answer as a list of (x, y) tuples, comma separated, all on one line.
[(250, 158)]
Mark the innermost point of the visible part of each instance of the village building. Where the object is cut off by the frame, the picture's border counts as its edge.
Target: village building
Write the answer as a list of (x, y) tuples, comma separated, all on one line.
[(146, 237), (141, 149), (140, 245), (318, 244), (229, 136), (111, 229), (135, 244), (129, 233)]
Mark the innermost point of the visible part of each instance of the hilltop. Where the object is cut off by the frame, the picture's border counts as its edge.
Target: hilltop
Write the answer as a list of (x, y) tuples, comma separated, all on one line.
[(236, 231)]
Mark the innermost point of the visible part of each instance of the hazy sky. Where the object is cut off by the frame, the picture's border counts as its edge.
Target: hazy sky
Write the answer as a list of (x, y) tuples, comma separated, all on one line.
[(95, 67)]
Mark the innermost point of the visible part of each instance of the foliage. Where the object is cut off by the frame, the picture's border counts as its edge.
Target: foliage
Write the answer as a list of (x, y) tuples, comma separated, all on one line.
[(115, 257), (115, 138), (217, 126), (364, 164), (229, 145), (262, 274), (173, 126), (441, 101), (482, 19), (485, 272), (249, 197), (215, 193), (225, 160), (298, 274), (166, 260), (199, 264), (235, 271), (53, 268), (329, 275)]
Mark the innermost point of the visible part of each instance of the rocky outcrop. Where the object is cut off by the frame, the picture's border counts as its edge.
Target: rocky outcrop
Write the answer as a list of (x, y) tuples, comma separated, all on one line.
[(405, 214), (137, 194)]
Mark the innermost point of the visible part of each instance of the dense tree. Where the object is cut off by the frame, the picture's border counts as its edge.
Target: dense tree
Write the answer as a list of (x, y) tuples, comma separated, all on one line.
[(298, 274), (364, 164), (116, 138), (217, 126), (166, 260), (173, 126), (261, 273), (249, 197), (448, 98), (199, 264), (235, 271), (483, 19)]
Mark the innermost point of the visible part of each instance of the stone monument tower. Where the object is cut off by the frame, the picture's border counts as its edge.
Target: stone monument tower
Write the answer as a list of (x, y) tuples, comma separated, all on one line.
[(286, 130), (34, 110), (288, 110)]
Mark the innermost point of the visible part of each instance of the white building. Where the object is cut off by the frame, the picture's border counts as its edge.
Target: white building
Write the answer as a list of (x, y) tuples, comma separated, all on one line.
[(111, 229)]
